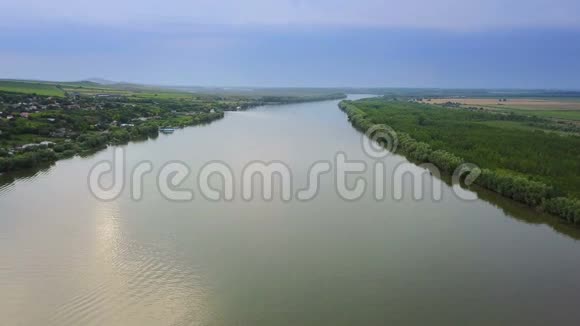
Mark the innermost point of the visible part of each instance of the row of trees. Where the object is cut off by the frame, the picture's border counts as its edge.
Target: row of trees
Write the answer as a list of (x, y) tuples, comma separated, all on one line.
[(423, 152), (356, 116), (519, 187), (89, 142), (565, 207), (558, 126), (418, 151), (27, 160), (300, 98), (446, 161)]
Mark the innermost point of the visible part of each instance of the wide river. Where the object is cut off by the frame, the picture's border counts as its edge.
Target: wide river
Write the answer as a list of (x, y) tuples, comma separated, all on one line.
[(68, 258)]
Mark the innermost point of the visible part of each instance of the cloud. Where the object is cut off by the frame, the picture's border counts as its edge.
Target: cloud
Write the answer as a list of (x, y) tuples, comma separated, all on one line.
[(442, 14), (446, 43)]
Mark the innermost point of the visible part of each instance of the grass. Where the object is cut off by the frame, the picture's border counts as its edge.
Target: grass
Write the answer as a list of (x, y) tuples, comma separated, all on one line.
[(88, 89), (509, 125), (555, 103), (38, 88), (553, 108), (522, 125), (573, 115), (558, 114)]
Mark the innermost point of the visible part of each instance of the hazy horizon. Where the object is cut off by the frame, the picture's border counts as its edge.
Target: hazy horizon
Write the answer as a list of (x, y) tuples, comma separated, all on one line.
[(252, 87), (417, 44)]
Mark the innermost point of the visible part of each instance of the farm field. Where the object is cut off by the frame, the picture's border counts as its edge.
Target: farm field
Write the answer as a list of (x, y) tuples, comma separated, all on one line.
[(556, 114), (564, 109), (38, 88), (520, 103), (46, 88)]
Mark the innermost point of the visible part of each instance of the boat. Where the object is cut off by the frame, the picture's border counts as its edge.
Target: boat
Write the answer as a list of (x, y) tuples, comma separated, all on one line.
[(167, 130)]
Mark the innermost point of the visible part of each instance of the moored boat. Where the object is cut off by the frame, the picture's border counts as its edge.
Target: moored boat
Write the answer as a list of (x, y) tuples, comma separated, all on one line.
[(167, 130)]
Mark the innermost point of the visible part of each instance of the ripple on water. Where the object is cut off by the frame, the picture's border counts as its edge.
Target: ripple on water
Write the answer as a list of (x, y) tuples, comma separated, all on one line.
[(128, 282), (9, 181), (141, 285)]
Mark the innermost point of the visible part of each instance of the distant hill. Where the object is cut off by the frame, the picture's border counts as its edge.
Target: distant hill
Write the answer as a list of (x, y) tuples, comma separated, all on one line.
[(89, 87), (101, 81)]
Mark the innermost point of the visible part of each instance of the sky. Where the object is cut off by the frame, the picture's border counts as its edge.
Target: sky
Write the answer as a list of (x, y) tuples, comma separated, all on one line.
[(298, 43)]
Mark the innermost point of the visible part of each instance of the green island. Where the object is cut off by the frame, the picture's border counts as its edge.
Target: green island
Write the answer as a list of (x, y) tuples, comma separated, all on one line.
[(42, 122), (531, 159)]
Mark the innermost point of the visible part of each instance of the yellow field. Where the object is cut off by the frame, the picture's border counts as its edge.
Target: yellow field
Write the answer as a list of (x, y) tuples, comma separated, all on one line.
[(520, 103)]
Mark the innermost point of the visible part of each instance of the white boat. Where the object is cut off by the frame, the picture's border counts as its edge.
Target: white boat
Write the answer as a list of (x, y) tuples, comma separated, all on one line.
[(167, 130)]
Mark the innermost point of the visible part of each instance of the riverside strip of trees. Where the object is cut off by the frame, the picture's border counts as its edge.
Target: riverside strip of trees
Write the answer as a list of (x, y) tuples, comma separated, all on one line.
[(39, 129), (534, 167)]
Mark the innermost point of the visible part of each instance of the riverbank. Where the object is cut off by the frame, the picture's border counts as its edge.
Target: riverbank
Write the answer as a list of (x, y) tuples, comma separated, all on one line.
[(515, 185), (38, 130), (30, 155)]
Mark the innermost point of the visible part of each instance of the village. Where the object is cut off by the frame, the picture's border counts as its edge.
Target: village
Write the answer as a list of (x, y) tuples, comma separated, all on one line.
[(60, 127)]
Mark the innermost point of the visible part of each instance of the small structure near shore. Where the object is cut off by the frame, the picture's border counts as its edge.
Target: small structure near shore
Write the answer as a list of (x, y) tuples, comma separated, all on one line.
[(167, 130)]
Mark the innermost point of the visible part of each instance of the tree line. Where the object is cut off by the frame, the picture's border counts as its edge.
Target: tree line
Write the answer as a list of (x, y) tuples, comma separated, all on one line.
[(521, 187)]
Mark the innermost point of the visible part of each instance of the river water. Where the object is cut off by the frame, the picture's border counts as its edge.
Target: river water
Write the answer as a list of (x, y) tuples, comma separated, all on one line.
[(68, 258)]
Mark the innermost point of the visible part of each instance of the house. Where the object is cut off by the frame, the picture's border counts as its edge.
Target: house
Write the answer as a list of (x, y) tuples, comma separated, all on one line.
[(59, 133), (28, 145), (25, 115), (106, 96), (51, 119)]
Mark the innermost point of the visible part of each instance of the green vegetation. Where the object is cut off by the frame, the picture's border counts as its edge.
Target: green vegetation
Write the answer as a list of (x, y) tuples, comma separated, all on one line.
[(557, 114), (137, 91), (534, 167), (547, 113), (38, 129), (36, 88), (85, 88), (86, 116), (561, 127)]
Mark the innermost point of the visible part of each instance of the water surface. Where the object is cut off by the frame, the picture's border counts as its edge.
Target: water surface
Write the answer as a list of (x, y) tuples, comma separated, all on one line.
[(67, 258)]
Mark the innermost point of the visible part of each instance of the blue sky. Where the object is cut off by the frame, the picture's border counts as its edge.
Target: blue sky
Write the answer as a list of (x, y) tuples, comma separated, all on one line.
[(414, 43)]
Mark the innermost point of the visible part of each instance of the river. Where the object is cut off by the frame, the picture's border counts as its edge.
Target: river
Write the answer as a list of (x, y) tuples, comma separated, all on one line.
[(68, 258)]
